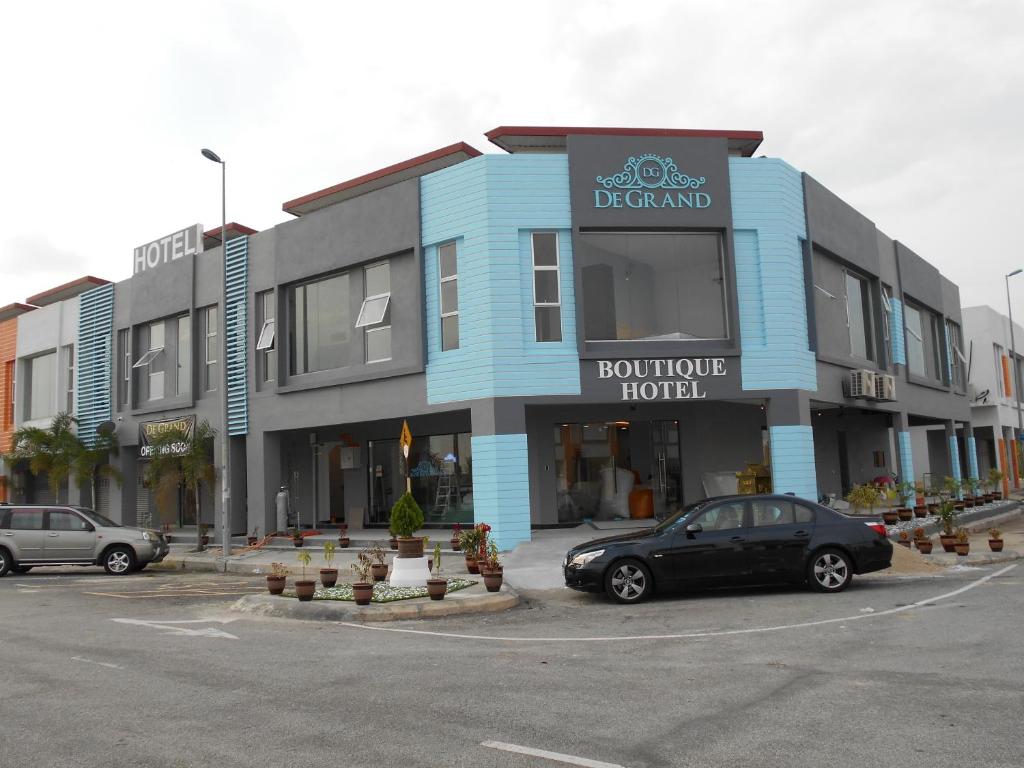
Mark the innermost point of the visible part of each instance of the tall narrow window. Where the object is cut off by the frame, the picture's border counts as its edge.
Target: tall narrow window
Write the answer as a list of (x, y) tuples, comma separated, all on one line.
[(1003, 386), (68, 353), (858, 317), (8, 414), (887, 320), (956, 353), (42, 374), (125, 379), (156, 369), (915, 341), (375, 313), (210, 349), (547, 296), (449, 271), (266, 320), (184, 362)]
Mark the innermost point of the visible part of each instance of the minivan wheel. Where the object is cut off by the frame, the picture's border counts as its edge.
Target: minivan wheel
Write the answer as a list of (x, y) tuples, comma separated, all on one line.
[(5, 562), (628, 581), (830, 570), (119, 561)]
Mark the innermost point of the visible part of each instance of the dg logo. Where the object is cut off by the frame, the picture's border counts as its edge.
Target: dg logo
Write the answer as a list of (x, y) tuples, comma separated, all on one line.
[(651, 172)]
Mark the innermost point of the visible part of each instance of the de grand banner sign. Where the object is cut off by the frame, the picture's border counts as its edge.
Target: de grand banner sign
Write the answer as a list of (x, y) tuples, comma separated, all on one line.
[(150, 432), (682, 378)]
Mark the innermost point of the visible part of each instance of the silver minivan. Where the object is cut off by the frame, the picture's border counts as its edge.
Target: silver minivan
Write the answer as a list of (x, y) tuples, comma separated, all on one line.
[(52, 534)]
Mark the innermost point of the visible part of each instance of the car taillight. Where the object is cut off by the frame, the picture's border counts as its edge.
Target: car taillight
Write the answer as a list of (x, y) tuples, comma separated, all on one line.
[(878, 528)]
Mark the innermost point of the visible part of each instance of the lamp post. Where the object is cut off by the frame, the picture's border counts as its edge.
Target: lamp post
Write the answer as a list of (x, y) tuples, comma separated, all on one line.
[(1016, 368), (225, 440)]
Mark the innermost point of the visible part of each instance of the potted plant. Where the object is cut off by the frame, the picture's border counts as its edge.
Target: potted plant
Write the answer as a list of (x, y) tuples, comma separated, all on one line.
[(329, 575), (343, 540), (963, 542), (922, 542), (277, 578), (469, 542), (491, 568), (866, 497), (904, 539), (947, 516), (297, 538), (995, 478), (304, 588), (254, 537), (378, 566), (204, 537), (456, 530), (362, 589), (436, 585), (995, 539), (967, 495), (406, 519)]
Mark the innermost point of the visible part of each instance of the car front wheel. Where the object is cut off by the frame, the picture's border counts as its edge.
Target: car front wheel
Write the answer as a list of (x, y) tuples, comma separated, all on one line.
[(628, 581), (830, 570), (119, 561)]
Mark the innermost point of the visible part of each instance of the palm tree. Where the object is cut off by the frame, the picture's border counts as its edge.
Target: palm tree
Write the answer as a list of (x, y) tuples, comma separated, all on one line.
[(91, 464), (51, 450), (180, 459)]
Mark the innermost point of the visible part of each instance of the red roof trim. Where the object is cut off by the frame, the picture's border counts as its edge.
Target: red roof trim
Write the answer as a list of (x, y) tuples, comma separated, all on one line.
[(526, 130), (40, 298), (405, 165), (232, 227), (15, 309)]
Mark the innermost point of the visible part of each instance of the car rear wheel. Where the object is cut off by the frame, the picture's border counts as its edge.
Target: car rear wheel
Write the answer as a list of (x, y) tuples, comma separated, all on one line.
[(5, 562), (119, 561), (628, 581), (830, 570)]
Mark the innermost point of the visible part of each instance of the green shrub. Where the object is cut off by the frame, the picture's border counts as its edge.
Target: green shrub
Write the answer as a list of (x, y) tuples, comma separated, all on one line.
[(406, 516)]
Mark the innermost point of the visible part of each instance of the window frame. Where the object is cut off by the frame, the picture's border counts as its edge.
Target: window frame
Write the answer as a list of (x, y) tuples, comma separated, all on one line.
[(68, 353), (266, 349), (210, 371), (557, 269), (866, 314), (442, 279), (29, 369)]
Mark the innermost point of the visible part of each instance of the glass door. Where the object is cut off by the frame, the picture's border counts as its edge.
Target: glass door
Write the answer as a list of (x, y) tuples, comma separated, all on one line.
[(667, 474)]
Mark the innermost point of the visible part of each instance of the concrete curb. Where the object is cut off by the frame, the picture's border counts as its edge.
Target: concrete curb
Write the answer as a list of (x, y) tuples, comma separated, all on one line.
[(974, 520), (984, 558), (455, 604)]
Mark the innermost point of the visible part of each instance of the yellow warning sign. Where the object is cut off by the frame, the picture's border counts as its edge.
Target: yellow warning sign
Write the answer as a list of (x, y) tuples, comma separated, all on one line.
[(406, 439)]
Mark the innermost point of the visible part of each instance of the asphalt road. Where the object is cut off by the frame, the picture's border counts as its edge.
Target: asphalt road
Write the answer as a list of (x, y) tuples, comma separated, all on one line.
[(153, 670)]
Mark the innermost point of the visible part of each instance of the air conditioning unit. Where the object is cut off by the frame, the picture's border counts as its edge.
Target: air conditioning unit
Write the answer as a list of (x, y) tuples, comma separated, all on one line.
[(861, 384), (885, 387)]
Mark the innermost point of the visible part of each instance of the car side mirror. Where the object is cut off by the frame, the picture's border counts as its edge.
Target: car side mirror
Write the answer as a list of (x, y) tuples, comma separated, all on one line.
[(694, 528), (89, 527)]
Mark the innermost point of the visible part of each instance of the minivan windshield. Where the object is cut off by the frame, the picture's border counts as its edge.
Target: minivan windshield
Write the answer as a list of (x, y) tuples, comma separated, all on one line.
[(97, 518), (671, 521)]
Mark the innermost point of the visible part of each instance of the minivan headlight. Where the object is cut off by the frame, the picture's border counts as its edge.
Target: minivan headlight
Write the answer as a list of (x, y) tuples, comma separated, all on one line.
[(585, 557), (147, 536)]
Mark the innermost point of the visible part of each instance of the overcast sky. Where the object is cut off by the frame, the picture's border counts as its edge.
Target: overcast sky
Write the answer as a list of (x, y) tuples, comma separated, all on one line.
[(910, 111)]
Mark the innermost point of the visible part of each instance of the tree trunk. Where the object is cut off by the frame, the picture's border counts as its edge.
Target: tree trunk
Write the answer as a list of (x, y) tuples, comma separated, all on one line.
[(199, 517)]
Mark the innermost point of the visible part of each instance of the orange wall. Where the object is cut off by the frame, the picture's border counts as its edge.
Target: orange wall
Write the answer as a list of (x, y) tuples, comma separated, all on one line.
[(8, 351)]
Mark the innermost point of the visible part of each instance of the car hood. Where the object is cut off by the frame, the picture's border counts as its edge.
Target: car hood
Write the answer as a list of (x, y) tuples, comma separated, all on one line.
[(622, 538)]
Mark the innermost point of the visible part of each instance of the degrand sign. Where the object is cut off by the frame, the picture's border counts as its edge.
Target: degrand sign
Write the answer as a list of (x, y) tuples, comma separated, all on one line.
[(650, 181), (662, 378)]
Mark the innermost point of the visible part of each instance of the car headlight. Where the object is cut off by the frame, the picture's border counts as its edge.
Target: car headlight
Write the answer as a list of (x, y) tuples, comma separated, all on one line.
[(147, 536), (585, 557)]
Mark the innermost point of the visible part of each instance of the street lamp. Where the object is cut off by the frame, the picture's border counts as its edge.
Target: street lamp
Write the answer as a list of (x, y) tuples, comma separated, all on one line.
[(225, 441), (1013, 353)]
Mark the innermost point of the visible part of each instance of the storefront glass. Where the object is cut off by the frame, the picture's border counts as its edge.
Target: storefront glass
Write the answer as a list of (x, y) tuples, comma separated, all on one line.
[(441, 475)]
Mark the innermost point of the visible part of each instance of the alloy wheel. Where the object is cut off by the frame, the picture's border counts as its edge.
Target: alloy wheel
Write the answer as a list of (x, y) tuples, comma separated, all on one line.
[(629, 582), (831, 571), (118, 561)]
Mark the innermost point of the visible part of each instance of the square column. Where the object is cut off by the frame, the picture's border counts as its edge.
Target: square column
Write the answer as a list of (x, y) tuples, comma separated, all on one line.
[(954, 450), (904, 452), (501, 471), (971, 446), (792, 445)]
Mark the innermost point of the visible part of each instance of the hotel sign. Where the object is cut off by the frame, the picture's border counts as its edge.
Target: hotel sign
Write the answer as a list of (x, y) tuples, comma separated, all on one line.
[(176, 246), (680, 378), (651, 181)]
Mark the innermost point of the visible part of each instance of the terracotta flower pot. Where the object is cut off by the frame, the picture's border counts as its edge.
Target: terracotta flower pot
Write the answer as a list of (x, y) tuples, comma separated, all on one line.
[(379, 571), (298, 542), (251, 540), (905, 513), (205, 541), (959, 506), (890, 517), (471, 565), (493, 579), (344, 541), (455, 544), (362, 592), (998, 495), (996, 545), (933, 509), (947, 542), (393, 542), (904, 543), (962, 549), (920, 511), (924, 546), (328, 576), (304, 590), (410, 546), (275, 584), (437, 588)]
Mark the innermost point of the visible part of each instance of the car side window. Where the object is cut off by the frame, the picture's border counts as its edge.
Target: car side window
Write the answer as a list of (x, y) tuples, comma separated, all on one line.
[(62, 520), (26, 519), (772, 512), (804, 514), (722, 517)]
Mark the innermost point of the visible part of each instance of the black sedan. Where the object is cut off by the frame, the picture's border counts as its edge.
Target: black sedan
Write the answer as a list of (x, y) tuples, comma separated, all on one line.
[(732, 540)]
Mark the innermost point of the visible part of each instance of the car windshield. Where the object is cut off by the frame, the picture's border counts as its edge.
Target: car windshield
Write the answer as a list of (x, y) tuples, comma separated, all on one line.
[(669, 522), (97, 518)]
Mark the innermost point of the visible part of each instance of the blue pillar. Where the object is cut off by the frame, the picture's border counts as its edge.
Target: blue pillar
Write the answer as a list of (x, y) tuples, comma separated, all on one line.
[(972, 452), (793, 468), (501, 487), (906, 457)]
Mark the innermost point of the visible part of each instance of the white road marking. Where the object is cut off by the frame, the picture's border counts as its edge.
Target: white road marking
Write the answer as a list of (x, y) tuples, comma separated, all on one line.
[(558, 757), (101, 663), (170, 628), (691, 635)]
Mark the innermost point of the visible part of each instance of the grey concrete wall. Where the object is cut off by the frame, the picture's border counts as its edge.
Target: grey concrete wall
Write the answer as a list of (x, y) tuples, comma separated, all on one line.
[(865, 434), (839, 228), (919, 279)]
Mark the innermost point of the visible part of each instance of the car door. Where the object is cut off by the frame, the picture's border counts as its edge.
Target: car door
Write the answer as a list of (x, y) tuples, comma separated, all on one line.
[(69, 536), (25, 535), (777, 539), (708, 549)]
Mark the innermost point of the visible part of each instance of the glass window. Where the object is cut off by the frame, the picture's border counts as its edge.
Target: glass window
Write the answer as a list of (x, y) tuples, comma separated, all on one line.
[(266, 314), (915, 341), (448, 270), (125, 380), (319, 324), (184, 361), (26, 520), (155, 364), (773, 512), (68, 353), (653, 286), (721, 517), (375, 313), (1002, 378), (62, 520), (42, 372), (378, 344), (858, 314), (547, 298), (958, 361), (210, 349), (887, 319)]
